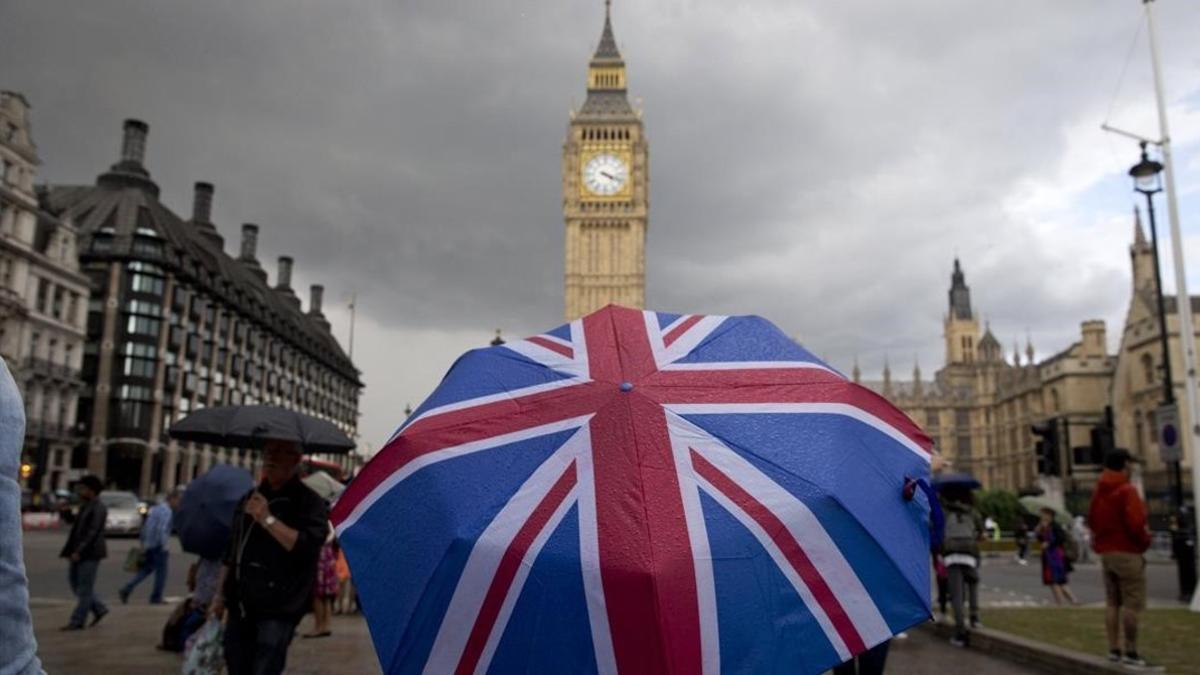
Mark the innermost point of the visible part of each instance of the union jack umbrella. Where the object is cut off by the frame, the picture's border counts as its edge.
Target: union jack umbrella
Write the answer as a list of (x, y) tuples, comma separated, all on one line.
[(641, 492)]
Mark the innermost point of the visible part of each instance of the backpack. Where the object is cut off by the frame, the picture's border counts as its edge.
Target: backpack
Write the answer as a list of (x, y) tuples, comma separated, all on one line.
[(961, 535)]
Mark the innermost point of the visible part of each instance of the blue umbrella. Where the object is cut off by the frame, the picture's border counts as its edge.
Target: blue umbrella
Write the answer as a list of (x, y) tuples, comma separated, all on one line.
[(960, 480), (641, 492), (205, 514)]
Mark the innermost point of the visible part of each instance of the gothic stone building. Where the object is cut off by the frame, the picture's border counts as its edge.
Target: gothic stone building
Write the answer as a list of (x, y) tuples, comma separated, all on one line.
[(606, 191), (43, 300), (175, 324), (979, 407), (1137, 388)]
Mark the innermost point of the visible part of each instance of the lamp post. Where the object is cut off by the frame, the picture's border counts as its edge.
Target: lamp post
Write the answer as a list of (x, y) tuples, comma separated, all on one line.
[(1147, 179)]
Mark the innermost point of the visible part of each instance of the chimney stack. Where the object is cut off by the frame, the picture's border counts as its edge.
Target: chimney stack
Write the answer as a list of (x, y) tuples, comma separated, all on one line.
[(133, 144), (249, 241), (284, 278), (202, 196), (317, 291)]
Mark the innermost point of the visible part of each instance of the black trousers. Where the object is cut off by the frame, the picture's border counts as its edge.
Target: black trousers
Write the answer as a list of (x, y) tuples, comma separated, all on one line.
[(870, 662), (256, 645)]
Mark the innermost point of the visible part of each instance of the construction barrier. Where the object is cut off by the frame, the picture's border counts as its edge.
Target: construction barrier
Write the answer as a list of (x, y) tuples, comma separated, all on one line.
[(40, 521)]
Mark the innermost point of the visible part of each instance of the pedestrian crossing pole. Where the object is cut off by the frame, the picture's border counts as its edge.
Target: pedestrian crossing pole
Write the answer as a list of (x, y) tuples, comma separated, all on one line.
[(1186, 332)]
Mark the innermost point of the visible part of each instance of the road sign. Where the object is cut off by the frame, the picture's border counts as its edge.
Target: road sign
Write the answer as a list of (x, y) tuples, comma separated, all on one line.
[(1167, 419)]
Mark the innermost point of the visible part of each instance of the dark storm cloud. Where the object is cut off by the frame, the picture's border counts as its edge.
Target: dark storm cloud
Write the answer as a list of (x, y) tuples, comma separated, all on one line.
[(818, 163)]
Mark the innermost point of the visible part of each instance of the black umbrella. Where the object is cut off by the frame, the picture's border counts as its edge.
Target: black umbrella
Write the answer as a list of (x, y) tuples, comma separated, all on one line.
[(250, 426)]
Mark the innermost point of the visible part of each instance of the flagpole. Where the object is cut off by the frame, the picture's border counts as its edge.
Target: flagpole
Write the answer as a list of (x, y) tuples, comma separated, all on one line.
[(1187, 334)]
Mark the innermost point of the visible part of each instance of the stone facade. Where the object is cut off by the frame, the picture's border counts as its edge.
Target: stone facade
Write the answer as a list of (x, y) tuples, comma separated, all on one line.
[(43, 303), (606, 191), (980, 407), (176, 324), (1138, 387)]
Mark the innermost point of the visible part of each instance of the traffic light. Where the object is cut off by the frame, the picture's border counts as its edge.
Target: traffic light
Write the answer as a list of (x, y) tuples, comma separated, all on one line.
[(1046, 448)]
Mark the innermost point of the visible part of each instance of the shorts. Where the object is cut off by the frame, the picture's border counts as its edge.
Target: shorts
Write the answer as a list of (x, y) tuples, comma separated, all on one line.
[(1124, 580)]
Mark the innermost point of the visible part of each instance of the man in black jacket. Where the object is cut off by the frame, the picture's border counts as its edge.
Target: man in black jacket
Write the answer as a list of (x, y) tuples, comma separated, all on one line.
[(271, 565), (85, 548)]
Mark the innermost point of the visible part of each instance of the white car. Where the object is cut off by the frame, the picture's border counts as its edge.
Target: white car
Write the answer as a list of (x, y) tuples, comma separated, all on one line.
[(124, 516)]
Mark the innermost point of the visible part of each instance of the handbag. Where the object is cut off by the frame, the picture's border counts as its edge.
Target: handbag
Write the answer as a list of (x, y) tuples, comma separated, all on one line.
[(135, 560), (204, 654)]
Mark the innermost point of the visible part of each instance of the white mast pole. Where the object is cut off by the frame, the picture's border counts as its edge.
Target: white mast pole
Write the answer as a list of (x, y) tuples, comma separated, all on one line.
[(1187, 338)]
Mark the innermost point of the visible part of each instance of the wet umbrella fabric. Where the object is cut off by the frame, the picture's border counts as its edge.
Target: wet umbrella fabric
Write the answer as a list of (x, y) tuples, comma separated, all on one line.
[(641, 492), (250, 426), (205, 515)]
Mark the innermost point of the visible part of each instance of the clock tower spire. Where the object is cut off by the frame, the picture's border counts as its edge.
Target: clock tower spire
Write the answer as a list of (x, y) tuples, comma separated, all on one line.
[(605, 189)]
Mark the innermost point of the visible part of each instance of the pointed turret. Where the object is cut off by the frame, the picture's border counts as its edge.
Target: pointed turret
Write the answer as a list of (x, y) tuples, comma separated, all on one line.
[(856, 374), (1139, 236), (1016, 352), (1029, 350), (887, 378), (918, 389), (606, 77), (960, 294), (607, 49)]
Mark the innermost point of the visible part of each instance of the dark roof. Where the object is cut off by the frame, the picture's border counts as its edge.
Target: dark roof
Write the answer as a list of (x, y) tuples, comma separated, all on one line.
[(607, 49), (606, 104), (124, 201)]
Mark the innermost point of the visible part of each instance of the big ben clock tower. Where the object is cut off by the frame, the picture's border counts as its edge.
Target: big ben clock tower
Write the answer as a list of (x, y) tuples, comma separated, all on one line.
[(606, 190)]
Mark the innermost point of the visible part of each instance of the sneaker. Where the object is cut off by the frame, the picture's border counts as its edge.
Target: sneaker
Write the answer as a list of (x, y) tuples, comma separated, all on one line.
[(960, 640), (1114, 655), (1132, 661)]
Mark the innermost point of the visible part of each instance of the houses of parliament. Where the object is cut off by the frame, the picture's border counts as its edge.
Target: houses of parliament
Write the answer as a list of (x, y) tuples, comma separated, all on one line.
[(980, 407)]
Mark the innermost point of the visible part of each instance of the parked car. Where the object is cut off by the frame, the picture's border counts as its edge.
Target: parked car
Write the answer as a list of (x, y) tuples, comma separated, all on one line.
[(124, 515)]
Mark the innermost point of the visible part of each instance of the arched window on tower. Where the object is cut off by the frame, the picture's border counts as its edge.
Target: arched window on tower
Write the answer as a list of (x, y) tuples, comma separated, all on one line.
[(1054, 402), (1148, 368)]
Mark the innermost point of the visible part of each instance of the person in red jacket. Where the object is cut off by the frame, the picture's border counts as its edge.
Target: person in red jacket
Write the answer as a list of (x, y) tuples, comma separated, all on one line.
[(1120, 534)]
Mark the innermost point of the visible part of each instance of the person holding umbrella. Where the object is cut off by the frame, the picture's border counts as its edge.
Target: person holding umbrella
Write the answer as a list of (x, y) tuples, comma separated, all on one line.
[(1055, 565), (270, 566), (960, 549)]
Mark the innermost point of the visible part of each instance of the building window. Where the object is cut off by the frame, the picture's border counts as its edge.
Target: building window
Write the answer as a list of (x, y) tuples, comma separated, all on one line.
[(1148, 369), (143, 307), (43, 295), (1054, 402), (142, 325), (143, 283), (140, 360)]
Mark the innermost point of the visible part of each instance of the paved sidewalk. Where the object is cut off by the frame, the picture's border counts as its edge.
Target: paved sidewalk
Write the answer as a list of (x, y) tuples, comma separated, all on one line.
[(124, 643)]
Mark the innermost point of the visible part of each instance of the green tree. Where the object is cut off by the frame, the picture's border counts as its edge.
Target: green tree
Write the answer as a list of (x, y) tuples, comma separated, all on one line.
[(1001, 505)]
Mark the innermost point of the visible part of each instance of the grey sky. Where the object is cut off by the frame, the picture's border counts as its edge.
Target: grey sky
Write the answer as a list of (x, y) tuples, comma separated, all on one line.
[(817, 163)]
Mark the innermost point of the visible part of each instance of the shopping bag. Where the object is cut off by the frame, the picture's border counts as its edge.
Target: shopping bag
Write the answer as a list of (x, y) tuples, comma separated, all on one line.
[(204, 653), (135, 559)]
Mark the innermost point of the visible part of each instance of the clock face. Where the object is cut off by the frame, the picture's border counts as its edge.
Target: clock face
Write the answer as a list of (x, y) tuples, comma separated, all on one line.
[(605, 174)]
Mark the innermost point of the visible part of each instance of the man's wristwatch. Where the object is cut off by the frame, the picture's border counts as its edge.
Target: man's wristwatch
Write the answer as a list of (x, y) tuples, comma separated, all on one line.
[(269, 521)]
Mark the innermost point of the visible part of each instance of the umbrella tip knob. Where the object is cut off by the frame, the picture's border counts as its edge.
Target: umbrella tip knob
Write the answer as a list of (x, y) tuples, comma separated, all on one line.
[(626, 386)]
